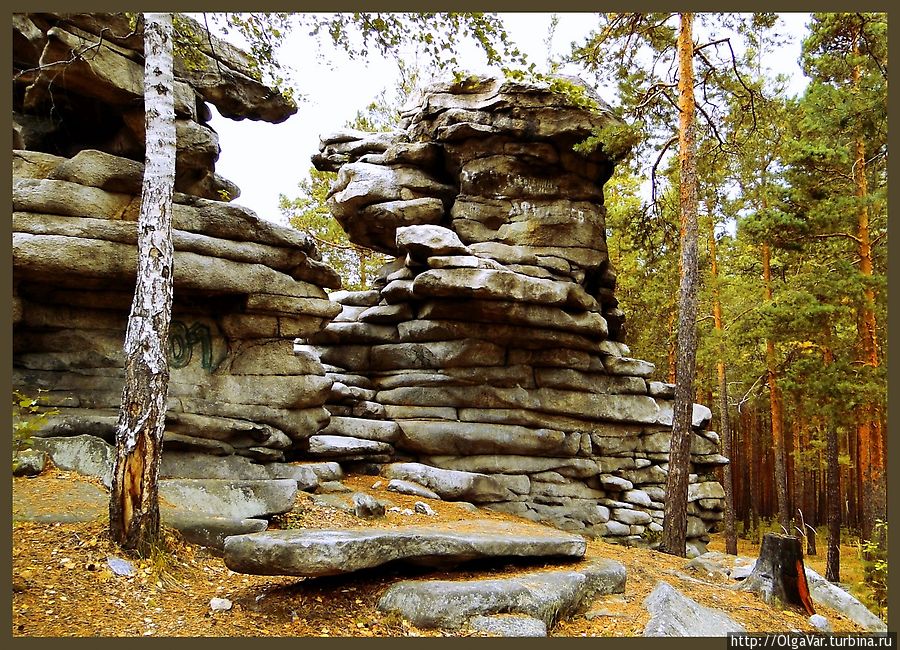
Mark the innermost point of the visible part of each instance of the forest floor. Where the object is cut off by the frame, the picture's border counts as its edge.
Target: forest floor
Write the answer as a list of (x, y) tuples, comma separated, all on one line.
[(63, 586)]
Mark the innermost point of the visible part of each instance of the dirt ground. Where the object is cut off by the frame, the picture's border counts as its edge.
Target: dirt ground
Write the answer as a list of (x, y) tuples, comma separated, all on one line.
[(63, 586)]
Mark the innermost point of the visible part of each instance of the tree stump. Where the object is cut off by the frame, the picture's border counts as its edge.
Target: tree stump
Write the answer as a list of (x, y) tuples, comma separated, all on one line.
[(779, 576)]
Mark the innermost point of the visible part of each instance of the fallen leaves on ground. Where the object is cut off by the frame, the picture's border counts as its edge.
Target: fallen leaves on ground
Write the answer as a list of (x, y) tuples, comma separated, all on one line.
[(63, 585)]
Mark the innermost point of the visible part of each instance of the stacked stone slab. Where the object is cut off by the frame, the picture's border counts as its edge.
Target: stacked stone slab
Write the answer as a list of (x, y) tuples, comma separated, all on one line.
[(244, 287), (492, 344)]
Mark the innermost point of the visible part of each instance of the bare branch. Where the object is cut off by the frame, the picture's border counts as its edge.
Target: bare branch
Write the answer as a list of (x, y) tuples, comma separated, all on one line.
[(662, 152), (712, 125), (749, 391), (652, 92), (882, 69), (732, 321), (832, 235)]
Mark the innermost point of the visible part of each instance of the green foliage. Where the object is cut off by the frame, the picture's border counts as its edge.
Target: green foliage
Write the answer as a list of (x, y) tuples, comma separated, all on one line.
[(28, 417), (437, 36), (875, 555), (308, 212), (616, 140)]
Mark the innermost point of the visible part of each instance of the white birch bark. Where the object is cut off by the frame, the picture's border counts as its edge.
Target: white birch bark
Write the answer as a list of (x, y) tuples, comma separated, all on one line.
[(134, 508)]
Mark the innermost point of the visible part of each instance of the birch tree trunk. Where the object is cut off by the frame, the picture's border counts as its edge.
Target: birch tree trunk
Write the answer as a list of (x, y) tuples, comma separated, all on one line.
[(675, 514), (134, 507)]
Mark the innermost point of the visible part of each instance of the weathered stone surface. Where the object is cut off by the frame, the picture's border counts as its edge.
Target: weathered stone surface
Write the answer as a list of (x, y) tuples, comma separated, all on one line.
[(659, 443), (505, 625), (700, 417), (424, 241), (359, 185), (329, 446), (517, 313), (412, 488), (233, 499), (100, 169), (825, 593), (508, 464), (245, 286), (673, 614), (354, 333), (273, 357), (29, 462), (84, 454), (546, 596), (660, 389), (378, 430), (706, 490), (209, 530), (630, 517), (568, 379), (366, 506), (626, 366), (386, 314), (450, 484), (368, 298), (617, 408), (506, 335), (439, 354), (637, 497), (500, 285), (314, 552), (58, 256), (396, 412), (436, 437)]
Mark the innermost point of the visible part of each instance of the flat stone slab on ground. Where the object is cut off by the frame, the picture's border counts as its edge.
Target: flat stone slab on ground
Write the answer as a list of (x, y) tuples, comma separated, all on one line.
[(544, 595), (60, 501), (674, 614), (314, 552), (512, 625), (207, 529), (83, 454), (829, 594), (232, 499)]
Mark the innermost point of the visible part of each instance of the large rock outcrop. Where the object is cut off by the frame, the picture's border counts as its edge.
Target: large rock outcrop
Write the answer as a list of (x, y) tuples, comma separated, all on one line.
[(492, 345), (244, 287)]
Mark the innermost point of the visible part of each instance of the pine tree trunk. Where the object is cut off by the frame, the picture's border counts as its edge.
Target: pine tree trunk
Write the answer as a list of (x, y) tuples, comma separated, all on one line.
[(671, 374), (724, 425), (756, 468), (851, 506), (675, 515), (870, 439), (134, 507), (832, 495), (781, 491), (806, 492)]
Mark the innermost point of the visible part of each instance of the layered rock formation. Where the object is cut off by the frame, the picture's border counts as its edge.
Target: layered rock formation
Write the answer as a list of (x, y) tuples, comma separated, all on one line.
[(244, 288), (490, 353)]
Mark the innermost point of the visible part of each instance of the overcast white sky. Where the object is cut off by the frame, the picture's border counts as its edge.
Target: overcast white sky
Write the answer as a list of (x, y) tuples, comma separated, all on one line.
[(268, 159)]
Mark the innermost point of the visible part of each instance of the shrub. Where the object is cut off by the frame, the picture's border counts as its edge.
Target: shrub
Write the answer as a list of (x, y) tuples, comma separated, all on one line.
[(27, 418)]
